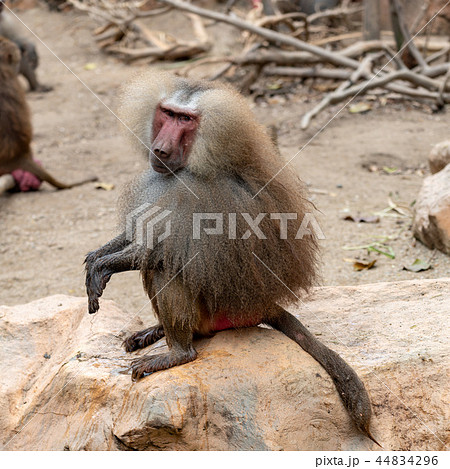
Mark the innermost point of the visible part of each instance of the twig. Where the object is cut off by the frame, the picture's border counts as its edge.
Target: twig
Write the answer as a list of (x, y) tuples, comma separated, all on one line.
[(223, 70), (341, 37), (364, 69), (436, 71), (312, 72), (333, 13), (436, 56)]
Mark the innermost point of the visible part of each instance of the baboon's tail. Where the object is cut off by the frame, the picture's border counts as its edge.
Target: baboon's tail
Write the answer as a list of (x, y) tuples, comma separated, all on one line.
[(349, 386), (32, 167)]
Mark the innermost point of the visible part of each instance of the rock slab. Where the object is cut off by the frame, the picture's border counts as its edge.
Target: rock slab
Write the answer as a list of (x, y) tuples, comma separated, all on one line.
[(65, 384), (431, 223), (439, 156)]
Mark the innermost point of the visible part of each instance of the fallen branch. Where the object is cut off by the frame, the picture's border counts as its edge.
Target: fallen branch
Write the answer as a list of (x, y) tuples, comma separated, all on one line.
[(437, 55), (312, 72), (339, 95), (364, 70), (175, 52), (437, 70), (271, 36), (123, 17), (333, 13)]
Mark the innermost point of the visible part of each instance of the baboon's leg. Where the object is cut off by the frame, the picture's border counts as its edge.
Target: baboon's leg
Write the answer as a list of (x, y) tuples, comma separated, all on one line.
[(28, 72), (28, 65), (181, 350)]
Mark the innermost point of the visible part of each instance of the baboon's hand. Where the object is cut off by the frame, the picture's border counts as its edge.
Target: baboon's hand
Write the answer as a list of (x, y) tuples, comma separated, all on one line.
[(97, 276), (91, 257)]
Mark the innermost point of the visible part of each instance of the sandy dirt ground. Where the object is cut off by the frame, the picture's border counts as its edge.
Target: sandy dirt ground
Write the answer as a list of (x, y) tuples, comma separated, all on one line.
[(45, 235)]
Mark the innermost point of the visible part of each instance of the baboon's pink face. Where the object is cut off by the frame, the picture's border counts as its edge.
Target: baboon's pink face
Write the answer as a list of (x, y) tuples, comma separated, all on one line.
[(174, 130)]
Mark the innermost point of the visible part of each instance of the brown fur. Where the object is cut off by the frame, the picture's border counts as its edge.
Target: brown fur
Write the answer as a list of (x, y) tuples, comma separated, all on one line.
[(225, 173), (200, 286), (15, 121)]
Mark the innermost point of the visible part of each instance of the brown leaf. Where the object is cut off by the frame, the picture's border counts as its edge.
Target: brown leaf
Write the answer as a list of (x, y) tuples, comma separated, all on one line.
[(360, 265)]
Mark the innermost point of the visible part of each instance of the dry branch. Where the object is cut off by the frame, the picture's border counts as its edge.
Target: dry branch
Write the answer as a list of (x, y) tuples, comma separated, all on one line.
[(283, 54), (312, 72), (333, 13), (123, 18), (340, 95), (271, 36)]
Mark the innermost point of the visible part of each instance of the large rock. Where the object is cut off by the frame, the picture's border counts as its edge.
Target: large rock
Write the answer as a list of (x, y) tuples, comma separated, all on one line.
[(439, 156), (64, 382), (432, 211)]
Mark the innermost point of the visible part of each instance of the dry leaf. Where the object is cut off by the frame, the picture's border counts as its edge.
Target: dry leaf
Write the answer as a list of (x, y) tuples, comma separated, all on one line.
[(90, 66), (418, 266), (360, 108), (360, 265), (105, 186)]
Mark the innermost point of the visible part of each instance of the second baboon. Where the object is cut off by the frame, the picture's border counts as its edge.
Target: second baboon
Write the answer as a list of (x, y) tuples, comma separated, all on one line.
[(232, 256), (15, 121), (29, 59)]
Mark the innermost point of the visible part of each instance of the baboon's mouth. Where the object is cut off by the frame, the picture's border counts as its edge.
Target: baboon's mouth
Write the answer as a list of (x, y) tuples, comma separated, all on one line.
[(161, 168)]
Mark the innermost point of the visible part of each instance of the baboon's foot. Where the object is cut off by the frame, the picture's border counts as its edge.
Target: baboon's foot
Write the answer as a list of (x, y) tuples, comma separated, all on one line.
[(143, 338), (151, 363)]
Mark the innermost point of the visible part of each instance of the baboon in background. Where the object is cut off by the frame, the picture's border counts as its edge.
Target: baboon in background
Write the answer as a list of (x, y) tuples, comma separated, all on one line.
[(29, 60), (208, 155), (15, 122)]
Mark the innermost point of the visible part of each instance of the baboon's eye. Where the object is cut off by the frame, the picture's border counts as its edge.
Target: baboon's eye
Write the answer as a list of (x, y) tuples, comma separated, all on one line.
[(185, 118)]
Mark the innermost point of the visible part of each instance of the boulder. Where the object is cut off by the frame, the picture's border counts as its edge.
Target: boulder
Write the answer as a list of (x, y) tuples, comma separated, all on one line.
[(439, 156), (431, 223), (65, 384)]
